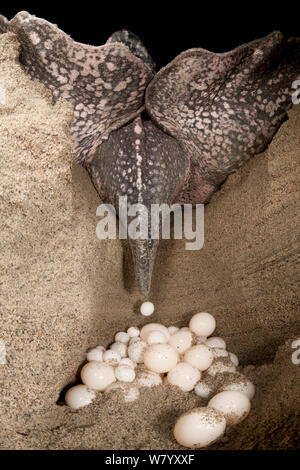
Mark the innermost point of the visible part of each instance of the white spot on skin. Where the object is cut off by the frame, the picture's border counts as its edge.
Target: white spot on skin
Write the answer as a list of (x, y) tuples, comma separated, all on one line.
[(110, 66), (121, 86), (137, 129), (35, 38)]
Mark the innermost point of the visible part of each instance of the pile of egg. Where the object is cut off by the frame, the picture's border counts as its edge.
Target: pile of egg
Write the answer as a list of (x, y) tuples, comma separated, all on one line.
[(184, 357)]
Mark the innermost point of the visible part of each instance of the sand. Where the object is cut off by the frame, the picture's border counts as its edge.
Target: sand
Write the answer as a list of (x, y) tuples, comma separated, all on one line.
[(64, 291)]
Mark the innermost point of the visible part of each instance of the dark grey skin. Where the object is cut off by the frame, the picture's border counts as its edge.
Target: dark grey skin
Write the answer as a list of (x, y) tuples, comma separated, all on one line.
[(167, 137)]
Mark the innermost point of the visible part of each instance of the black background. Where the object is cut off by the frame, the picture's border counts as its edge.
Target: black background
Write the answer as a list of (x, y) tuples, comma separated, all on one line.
[(167, 28)]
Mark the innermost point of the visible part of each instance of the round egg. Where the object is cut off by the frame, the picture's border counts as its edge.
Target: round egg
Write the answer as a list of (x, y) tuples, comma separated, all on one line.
[(122, 337), (203, 390), (202, 324), (199, 427), (120, 348), (184, 375), (216, 342), (234, 405), (125, 373), (156, 337), (136, 351), (97, 375), (181, 341), (95, 355), (133, 332), (147, 308), (79, 396), (160, 358), (199, 356), (154, 327)]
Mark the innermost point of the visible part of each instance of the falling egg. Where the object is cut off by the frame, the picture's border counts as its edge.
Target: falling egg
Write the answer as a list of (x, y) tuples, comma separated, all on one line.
[(147, 308)]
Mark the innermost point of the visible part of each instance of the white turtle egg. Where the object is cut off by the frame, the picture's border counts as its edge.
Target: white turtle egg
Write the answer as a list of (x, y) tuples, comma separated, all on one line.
[(234, 405), (215, 342), (245, 386), (125, 361), (156, 337), (199, 427), (97, 375), (203, 390), (154, 327), (184, 376), (120, 348), (79, 396), (184, 328), (172, 329), (160, 358), (147, 308), (125, 373), (181, 341), (234, 359), (199, 356), (133, 332), (219, 352), (101, 348), (218, 367), (136, 351), (95, 354), (202, 324), (111, 357), (122, 337), (147, 378)]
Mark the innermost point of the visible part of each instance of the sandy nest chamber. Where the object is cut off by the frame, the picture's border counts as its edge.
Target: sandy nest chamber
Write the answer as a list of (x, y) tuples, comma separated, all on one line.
[(64, 291)]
